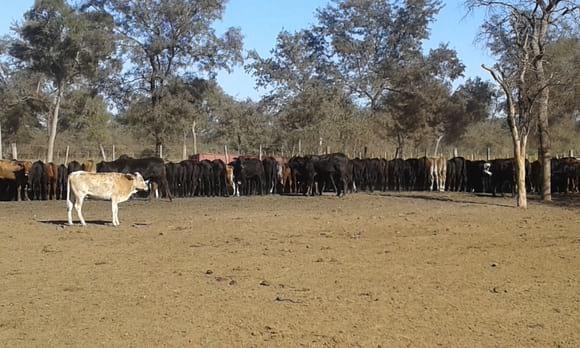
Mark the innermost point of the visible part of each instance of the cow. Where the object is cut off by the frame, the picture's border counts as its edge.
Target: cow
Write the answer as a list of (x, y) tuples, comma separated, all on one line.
[(220, 184), (205, 178), (503, 173), (38, 181), (374, 174), (13, 179), (270, 173), (286, 178), (232, 184), (61, 182), (331, 168), (74, 166), (456, 174), (151, 168), (249, 175), (478, 176), (438, 173), (359, 175), (536, 177), (396, 170), (116, 187), (51, 171), (89, 166), (565, 172)]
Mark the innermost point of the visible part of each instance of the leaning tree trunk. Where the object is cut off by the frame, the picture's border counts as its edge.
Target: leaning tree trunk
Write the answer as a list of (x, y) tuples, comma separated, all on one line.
[(53, 124)]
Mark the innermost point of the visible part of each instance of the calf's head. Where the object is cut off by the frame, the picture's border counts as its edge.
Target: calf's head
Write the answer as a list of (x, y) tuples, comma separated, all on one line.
[(138, 183)]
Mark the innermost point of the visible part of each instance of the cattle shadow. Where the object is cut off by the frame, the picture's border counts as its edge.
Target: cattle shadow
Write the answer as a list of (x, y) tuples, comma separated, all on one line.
[(435, 197), (76, 223), (561, 200)]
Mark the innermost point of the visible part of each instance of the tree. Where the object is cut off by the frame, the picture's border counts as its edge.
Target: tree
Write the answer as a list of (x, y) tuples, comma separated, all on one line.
[(511, 41), (162, 40), (368, 49), (64, 45), (540, 16)]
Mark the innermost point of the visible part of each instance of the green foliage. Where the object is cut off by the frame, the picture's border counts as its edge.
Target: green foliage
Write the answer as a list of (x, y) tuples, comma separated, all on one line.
[(162, 40)]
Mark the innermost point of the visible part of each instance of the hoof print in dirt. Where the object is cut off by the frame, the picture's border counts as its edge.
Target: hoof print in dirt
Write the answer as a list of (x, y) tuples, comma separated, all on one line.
[(265, 283), (208, 272)]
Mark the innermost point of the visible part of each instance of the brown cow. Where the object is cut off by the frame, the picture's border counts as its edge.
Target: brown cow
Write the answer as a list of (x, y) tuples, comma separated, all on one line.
[(15, 173), (52, 178), (437, 170), (89, 166)]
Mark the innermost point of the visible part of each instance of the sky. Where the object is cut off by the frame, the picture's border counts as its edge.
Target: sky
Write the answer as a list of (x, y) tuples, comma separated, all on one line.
[(261, 21)]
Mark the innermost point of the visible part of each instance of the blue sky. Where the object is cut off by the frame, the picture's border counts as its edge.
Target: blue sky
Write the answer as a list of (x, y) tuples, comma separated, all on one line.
[(262, 20)]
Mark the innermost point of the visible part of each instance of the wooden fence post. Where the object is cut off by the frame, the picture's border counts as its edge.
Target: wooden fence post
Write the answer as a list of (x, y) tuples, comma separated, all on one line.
[(299, 147), (488, 155), (226, 154), (455, 152), (194, 138), (14, 151), (260, 156), (103, 152), (66, 156), (114, 155)]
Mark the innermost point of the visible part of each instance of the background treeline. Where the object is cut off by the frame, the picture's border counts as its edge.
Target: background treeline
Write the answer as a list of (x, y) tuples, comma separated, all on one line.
[(141, 74)]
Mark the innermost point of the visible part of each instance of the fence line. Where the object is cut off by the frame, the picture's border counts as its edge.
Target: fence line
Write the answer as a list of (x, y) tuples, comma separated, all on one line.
[(174, 151)]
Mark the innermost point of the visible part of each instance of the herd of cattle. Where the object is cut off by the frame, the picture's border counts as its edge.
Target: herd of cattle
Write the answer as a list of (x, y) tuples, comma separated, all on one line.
[(308, 175)]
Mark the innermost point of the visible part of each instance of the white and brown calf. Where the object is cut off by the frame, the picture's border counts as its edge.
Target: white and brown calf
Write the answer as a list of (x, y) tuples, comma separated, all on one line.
[(116, 187)]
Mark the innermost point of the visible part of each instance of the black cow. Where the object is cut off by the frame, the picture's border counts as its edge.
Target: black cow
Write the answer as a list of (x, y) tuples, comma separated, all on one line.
[(74, 166), (456, 174), (151, 168), (61, 182), (503, 172), (374, 174), (220, 180), (396, 169), (565, 172), (270, 173), (331, 168), (359, 175), (298, 168), (536, 177), (249, 175), (170, 169), (38, 181), (205, 178), (478, 176)]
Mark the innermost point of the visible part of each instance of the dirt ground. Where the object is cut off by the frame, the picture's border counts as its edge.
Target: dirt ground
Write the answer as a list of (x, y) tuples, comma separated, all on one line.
[(390, 270)]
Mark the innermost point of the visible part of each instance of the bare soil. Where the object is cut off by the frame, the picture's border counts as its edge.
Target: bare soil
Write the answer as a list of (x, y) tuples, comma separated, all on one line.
[(391, 270)]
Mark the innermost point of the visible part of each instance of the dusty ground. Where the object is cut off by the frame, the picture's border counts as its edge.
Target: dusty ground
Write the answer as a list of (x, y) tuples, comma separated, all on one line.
[(366, 270)]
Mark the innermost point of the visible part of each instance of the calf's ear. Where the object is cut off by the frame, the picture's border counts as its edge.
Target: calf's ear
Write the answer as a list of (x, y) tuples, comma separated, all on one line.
[(130, 176)]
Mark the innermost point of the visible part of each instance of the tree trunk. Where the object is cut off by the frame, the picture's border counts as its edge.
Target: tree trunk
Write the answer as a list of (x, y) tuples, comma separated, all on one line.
[(545, 143), (1, 149), (538, 44), (184, 154), (520, 159), (53, 124), (437, 146), (194, 134)]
